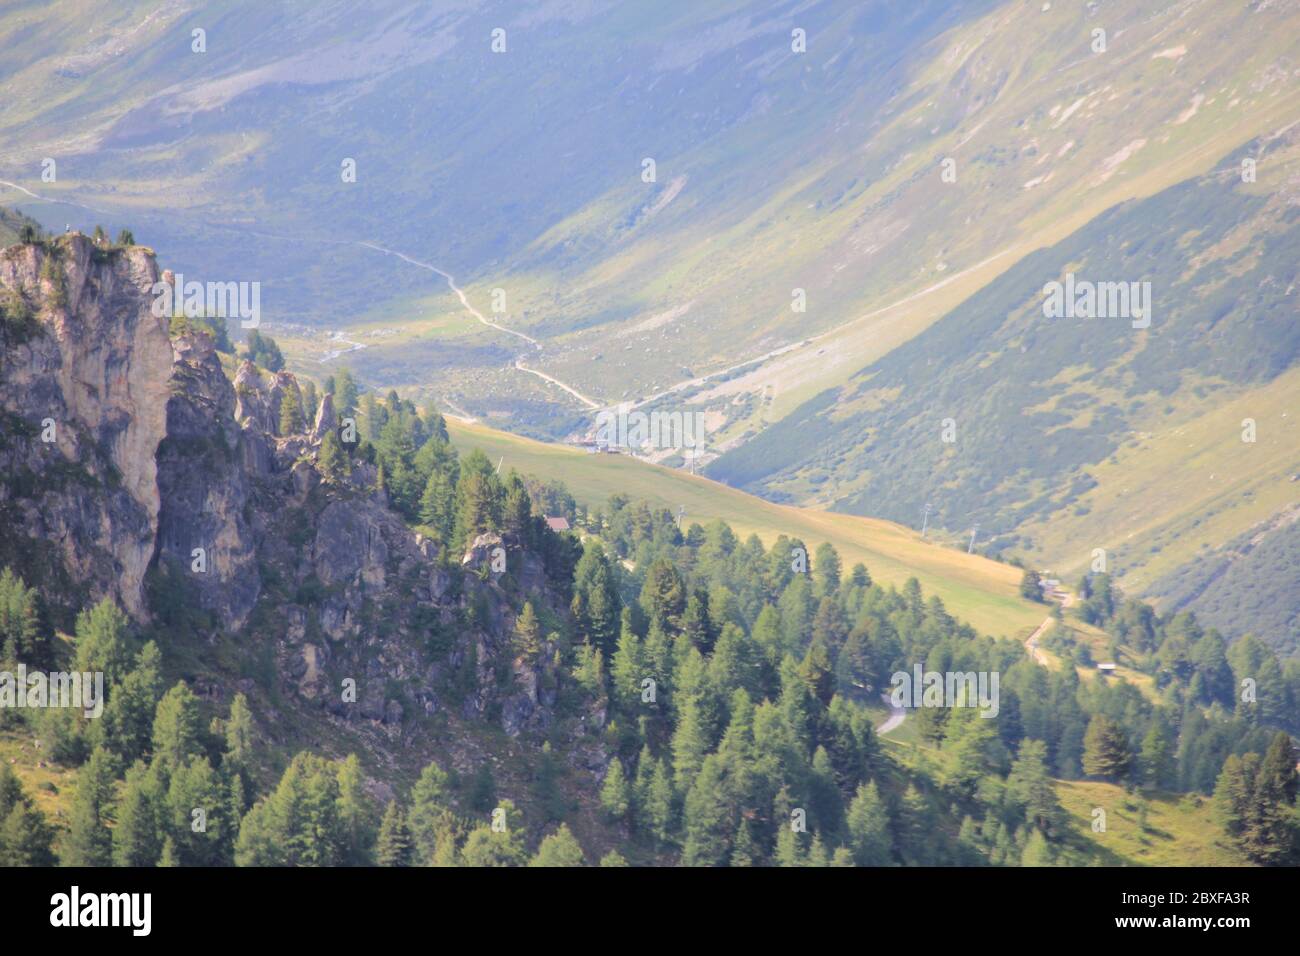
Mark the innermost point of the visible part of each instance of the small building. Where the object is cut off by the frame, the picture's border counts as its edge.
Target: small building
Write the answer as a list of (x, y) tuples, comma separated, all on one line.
[(1106, 668), (557, 524)]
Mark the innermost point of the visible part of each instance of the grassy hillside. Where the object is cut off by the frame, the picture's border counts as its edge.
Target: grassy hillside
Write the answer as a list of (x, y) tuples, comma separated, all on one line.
[(978, 590), (1141, 828), (1178, 830), (1248, 586), (1075, 434), (1043, 144), (1173, 494), (11, 225)]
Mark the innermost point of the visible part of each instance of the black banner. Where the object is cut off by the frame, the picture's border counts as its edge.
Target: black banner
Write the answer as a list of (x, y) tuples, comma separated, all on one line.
[(951, 905)]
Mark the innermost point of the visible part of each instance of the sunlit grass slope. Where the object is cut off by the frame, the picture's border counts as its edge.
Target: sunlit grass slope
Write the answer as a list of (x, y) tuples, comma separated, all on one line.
[(978, 590)]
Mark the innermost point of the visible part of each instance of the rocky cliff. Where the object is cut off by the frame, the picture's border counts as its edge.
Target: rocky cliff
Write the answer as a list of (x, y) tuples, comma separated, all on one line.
[(135, 468), (83, 393)]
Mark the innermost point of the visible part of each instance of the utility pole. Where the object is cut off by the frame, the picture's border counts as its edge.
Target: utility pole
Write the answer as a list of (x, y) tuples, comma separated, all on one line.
[(925, 519), (681, 513), (973, 531)]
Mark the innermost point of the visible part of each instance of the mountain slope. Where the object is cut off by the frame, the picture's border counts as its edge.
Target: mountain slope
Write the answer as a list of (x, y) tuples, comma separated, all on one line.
[(775, 170), (980, 591), (1248, 586), (1043, 409)]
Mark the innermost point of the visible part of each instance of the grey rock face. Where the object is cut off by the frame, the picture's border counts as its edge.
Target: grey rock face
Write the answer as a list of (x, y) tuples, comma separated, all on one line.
[(92, 375), (325, 418), (204, 487), (157, 461)]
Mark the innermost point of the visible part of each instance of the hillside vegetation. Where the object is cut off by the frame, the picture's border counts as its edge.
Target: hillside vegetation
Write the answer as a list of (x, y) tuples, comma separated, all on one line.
[(1072, 434), (978, 590)]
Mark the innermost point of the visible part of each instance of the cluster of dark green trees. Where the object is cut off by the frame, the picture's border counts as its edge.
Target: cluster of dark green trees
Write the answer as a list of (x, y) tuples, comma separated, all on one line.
[(1256, 799), (1195, 664), (26, 635), (159, 785), (427, 830), (703, 603), (423, 479), (733, 686), (263, 351), (26, 836), (184, 783), (740, 691), (124, 237)]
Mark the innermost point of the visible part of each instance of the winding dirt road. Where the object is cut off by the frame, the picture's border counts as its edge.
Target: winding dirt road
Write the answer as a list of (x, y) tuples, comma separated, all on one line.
[(1036, 653), (896, 717), (451, 284)]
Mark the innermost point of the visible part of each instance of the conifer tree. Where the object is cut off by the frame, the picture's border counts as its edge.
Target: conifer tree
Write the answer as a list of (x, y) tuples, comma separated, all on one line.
[(528, 634), (663, 597), (239, 733), (127, 724), (428, 818), (177, 727), (332, 461), (789, 848), (393, 847), (690, 744), (707, 819), (558, 849), (1037, 851), (517, 510), (615, 793), (345, 393), (1031, 787), (297, 824), (868, 826), (136, 838), (1156, 761), (22, 637), (744, 852), (660, 812), (89, 841), (310, 402), (291, 417), (438, 503), (168, 856), (478, 504), (355, 813), (198, 820), (827, 568), (26, 838), (1106, 751), (103, 642), (497, 846)]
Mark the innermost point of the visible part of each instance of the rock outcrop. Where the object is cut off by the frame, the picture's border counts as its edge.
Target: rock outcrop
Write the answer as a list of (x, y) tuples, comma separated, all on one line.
[(167, 487), (84, 392), (204, 486)]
